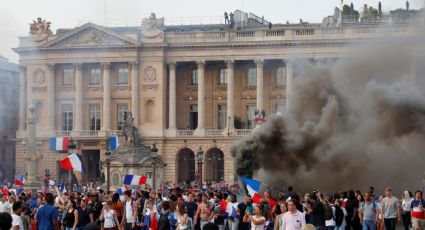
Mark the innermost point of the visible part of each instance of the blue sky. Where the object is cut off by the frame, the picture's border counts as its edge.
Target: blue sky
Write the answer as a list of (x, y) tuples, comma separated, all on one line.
[(15, 15)]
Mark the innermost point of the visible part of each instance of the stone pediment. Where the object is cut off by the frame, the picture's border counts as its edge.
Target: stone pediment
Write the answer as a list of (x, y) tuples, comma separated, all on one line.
[(91, 36)]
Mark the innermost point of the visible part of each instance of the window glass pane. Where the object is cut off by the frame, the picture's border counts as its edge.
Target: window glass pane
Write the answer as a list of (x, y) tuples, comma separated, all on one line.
[(67, 117), (67, 76), (94, 117), (250, 112), (221, 116), (222, 79), (121, 109), (194, 77), (252, 76), (95, 76), (281, 76), (122, 78)]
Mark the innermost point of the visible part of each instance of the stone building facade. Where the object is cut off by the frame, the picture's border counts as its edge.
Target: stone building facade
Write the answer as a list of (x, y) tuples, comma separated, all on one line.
[(186, 86), (9, 104)]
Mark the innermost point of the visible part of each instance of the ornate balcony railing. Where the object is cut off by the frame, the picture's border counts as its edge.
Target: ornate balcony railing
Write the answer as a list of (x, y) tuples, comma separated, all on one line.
[(88, 133)]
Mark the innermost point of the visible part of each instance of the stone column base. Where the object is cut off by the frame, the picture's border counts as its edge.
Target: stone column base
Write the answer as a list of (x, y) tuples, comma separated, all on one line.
[(171, 132)]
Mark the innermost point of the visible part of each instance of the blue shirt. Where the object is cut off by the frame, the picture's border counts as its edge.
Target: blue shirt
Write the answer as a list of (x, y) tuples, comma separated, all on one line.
[(45, 217)]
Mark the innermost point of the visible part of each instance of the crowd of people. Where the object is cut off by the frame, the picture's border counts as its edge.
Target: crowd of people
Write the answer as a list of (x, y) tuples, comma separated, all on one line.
[(215, 207)]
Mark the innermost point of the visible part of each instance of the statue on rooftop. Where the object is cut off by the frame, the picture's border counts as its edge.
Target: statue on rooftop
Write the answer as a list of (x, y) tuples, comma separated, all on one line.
[(153, 27), (40, 27)]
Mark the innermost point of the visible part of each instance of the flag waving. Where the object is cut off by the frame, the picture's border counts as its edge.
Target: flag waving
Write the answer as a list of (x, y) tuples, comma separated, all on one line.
[(134, 180), (73, 162), (253, 187)]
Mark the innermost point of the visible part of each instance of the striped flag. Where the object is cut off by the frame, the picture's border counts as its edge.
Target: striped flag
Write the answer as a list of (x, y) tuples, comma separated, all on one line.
[(121, 190), (73, 162), (52, 182), (59, 144), (134, 180)]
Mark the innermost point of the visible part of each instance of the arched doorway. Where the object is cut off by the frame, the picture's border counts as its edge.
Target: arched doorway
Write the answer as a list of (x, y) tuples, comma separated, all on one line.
[(185, 165), (214, 163)]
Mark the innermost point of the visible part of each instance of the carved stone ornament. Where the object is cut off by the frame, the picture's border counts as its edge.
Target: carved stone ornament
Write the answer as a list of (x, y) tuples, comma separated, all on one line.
[(39, 89), (40, 29), (38, 78), (93, 38), (150, 87), (153, 27), (150, 74)]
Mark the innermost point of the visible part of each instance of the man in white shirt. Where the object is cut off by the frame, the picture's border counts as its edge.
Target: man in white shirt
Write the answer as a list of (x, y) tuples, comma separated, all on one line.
[(4, 204), (129, 212), (16, 216), (293, 219)]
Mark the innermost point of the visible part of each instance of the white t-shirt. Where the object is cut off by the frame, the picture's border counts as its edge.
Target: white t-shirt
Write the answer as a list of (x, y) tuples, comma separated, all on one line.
[(16, 220), (5, 207), (129, 212), (260, 226), (109, 218), (293, 221)]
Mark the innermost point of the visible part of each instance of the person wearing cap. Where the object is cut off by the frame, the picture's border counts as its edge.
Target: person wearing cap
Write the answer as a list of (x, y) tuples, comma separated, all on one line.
[(390, 210), (4, 204)]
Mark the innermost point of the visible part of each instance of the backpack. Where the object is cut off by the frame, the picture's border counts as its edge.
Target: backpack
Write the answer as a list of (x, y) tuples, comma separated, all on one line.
[(339, 215), (328, 212), (163, 222)]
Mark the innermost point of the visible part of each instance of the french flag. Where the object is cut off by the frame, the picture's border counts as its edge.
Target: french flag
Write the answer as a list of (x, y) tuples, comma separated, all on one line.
[(52, 182), (231, 209), (59, 144), (121, 190), (253, 186), (19, 182), (73, 162), (113, 143), (134, 180)]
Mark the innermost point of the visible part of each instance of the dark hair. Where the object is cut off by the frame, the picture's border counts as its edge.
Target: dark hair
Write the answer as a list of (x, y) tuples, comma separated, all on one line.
[(50, 199), (182, 209), (290, 189), (17, 205), (115, 197), (351, 195), (210, 226), (419, 191), (6, 220), (74, 204), (165, 205), (127, 193)]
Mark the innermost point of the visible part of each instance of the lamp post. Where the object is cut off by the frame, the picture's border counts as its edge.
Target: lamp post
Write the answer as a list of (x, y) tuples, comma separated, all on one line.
[(154, 150), (199, 160), (108, 172)]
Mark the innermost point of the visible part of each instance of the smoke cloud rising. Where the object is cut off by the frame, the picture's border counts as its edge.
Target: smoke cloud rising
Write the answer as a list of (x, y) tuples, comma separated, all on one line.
[(353, 123)]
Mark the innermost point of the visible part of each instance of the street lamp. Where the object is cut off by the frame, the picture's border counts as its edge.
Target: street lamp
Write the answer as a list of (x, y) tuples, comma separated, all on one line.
[(199, 160), (108, 167)]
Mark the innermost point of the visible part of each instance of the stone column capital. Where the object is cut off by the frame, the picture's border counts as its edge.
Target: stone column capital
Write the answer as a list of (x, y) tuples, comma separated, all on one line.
[(230, 63), (106, 65), (172, 64), (22, 68), (51, 66), (259, 62), (77, 66), (201, 64)]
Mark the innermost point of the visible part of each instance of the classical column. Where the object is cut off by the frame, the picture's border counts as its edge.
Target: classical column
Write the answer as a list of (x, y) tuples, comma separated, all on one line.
[(78, 97), (22, 97), (230, 96), (260, 85), (200, 130), (172, 97), (51, 97), (106, 96), (135, 92), (289, 84), (412, 72)]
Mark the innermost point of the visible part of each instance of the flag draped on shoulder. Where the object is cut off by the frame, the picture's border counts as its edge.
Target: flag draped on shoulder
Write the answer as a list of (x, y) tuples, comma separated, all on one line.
[(134, 180), (59, 143), (73, 162), (253, 187)]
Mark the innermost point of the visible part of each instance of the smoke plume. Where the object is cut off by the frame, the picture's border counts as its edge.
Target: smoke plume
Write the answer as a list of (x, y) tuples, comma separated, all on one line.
[(353, 123)]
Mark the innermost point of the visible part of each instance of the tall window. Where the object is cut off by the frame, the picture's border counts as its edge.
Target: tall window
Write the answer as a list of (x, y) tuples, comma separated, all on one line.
[(95, 76), (252, 76), (281, 76), (250, 113), (222, 78), (122, 78), (3, 154), (94, 117), (67, 75), (67, 117), (194, 77), (221, 116), (280, 108), (121, 109), (193, 117)]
